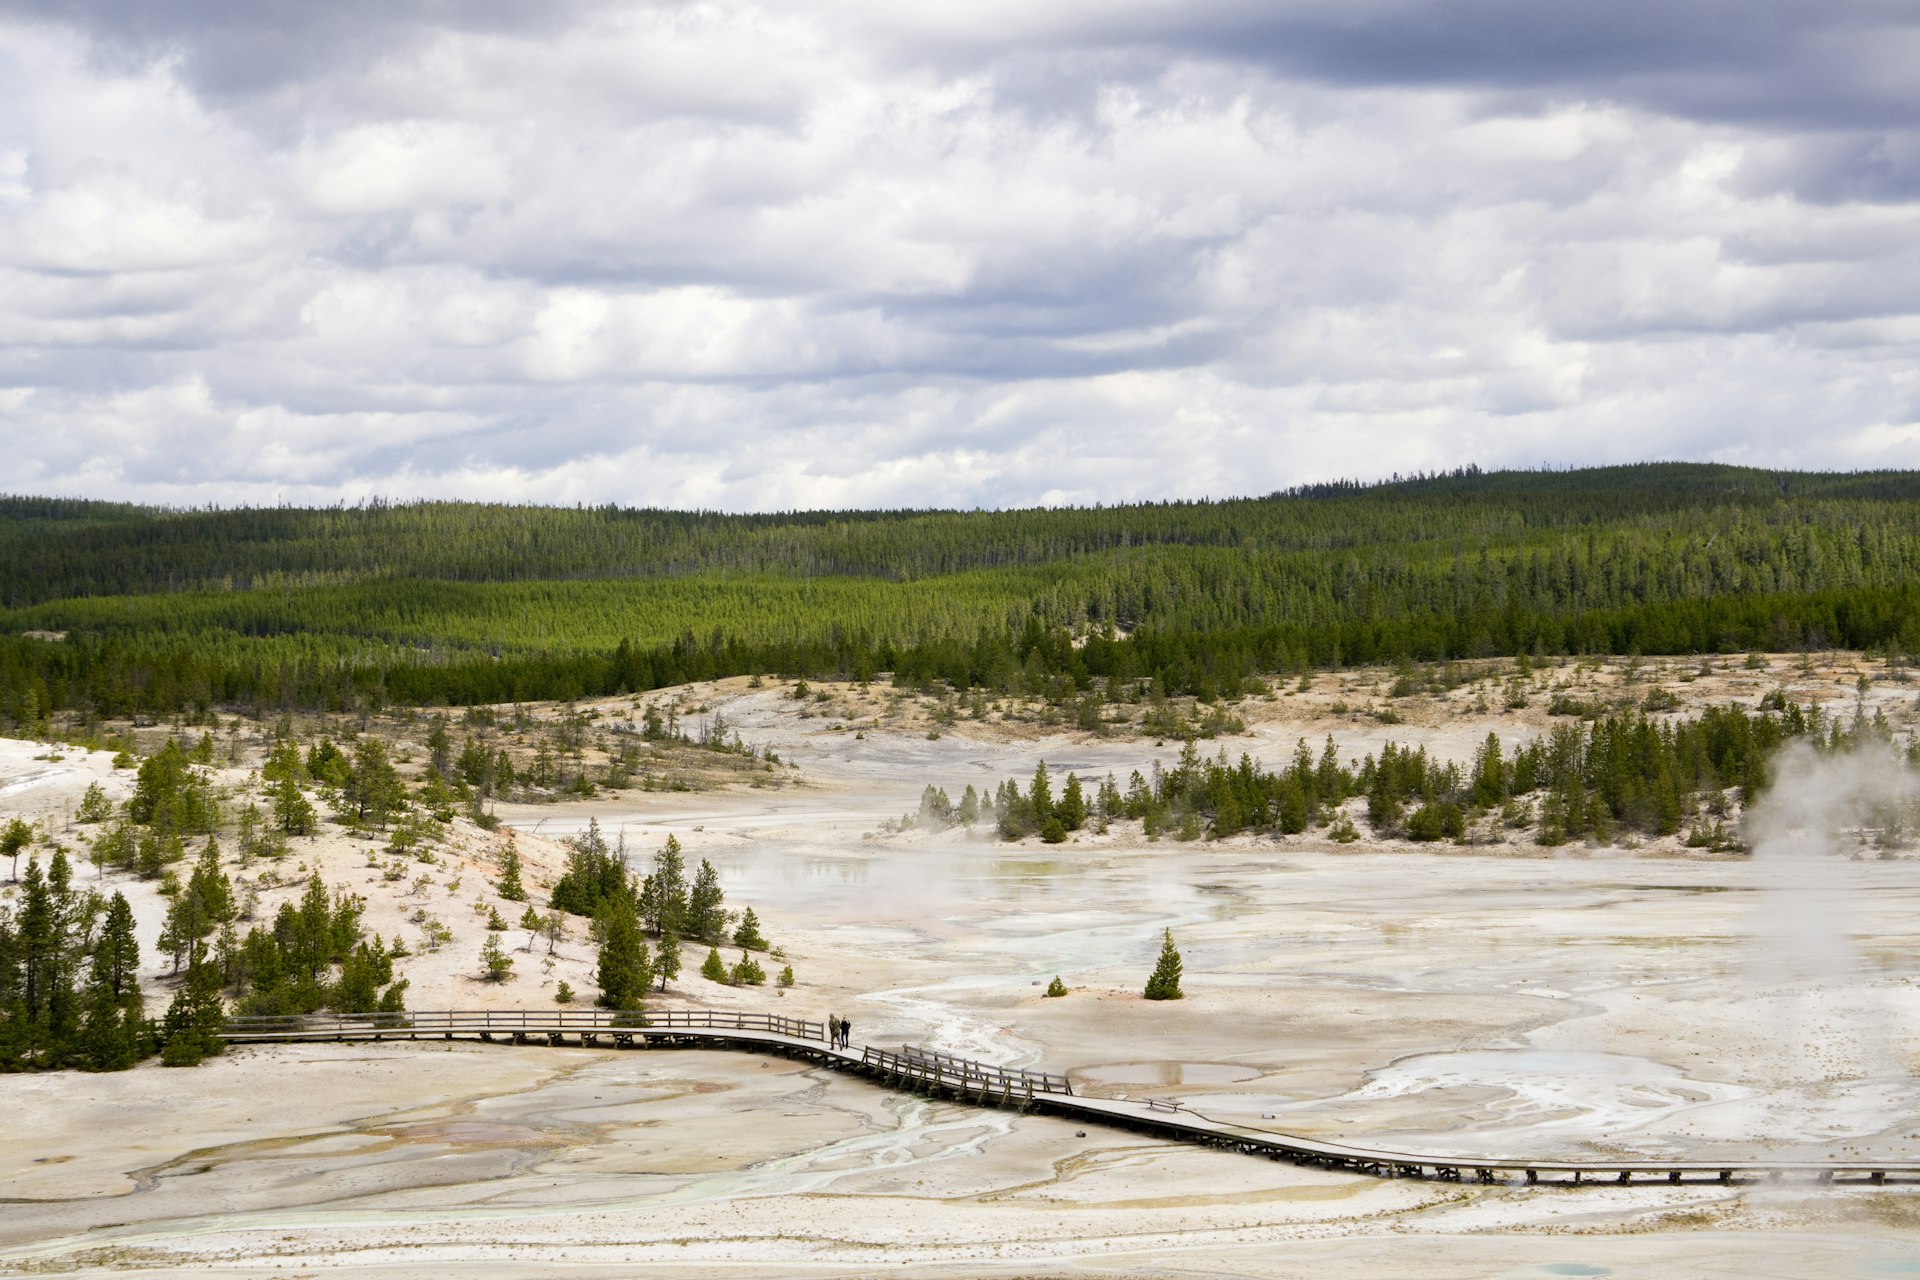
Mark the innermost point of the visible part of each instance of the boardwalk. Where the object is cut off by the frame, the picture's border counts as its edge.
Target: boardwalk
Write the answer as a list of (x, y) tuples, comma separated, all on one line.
[(944, 1075)]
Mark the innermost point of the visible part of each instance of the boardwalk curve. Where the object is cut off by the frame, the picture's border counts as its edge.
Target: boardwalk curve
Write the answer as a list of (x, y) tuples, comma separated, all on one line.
[(944, 1075)]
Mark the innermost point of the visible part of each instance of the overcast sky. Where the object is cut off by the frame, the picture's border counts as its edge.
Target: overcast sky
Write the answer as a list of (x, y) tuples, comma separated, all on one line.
[(973, 253)]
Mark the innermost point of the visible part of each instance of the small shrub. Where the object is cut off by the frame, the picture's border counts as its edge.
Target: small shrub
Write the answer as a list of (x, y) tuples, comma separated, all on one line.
[(1056, 988), (747, 972), (1436, 821)]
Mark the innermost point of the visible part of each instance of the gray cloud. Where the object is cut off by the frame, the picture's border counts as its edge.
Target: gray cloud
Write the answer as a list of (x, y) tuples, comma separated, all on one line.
[(903, 254)]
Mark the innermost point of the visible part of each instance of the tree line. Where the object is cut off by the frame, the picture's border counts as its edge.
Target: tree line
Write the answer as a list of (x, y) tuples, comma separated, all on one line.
[(459, 605), (1622, 773)]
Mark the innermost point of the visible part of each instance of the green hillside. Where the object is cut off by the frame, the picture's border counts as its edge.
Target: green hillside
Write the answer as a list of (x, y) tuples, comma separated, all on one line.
[(448, 602)]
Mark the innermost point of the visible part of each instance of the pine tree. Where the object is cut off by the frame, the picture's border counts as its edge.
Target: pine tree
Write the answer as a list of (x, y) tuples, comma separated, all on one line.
[(94, 806), (747, 972), (495, 963), (623, 971), (747, 936), (439, 748), (194, 1019), (1165, 982), (706, 916), (510, 887), (292, 814), (666, 959), (664, 899), (1072, 810), (713, 968), (44, 1009), (1041, 796), (200, 909), (14, 838), (1056, 988), (373, 792)]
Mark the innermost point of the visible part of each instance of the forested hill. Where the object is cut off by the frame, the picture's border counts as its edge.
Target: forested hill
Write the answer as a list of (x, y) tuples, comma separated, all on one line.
[(51, 549), (465, 602)]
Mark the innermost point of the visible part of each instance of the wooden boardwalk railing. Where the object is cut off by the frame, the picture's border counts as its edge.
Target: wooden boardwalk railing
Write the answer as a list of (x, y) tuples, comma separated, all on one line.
[(515, 1024), (942, 1074), (998, 1079), (932, 1072)]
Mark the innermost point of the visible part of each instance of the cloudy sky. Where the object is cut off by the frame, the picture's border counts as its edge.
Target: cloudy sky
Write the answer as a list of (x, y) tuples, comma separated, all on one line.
[(978, 252)]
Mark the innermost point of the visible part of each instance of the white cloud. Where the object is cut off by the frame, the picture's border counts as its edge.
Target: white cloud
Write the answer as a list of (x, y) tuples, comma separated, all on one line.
[(743, 256)]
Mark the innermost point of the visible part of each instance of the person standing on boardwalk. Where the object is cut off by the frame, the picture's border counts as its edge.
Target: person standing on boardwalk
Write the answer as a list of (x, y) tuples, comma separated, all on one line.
[(846, 1034), (833, 1030)]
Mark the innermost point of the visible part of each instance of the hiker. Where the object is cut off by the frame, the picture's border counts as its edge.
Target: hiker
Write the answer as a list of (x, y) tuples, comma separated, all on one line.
[(833, 1030), (846, 1033)]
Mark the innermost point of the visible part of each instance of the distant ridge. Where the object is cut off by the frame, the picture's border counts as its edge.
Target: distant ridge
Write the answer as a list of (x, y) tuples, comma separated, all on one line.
[(461, 602)]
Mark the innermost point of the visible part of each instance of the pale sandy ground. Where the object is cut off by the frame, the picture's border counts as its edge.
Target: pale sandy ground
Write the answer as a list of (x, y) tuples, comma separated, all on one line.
[(1500, 1002)]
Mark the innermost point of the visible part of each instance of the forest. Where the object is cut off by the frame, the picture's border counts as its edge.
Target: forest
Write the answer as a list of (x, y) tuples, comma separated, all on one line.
[(110, 610)]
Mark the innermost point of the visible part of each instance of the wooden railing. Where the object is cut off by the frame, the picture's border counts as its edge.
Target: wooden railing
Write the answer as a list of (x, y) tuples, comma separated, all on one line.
[(945, 1070), (322, 1026)]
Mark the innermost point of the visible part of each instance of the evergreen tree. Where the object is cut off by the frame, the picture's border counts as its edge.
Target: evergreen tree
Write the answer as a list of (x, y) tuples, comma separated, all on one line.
[(373, 792), (706, 913), (666, 958), (14, 838), (747, 972), (713, 968), (171, 795), (43, 1008), (747, 935), (664, 898), (283, 763), (1040, 796), (191, 1031), (495, 964), (1072, 810), (1489, 786), (510, 887), (328, 765), (292, 814), (1056, 988), (623, 970), (1165, 982), (94, 805), (439, 748), (199, 910), (594, 876), (363, 971), (118, 846), (114, 1035)]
